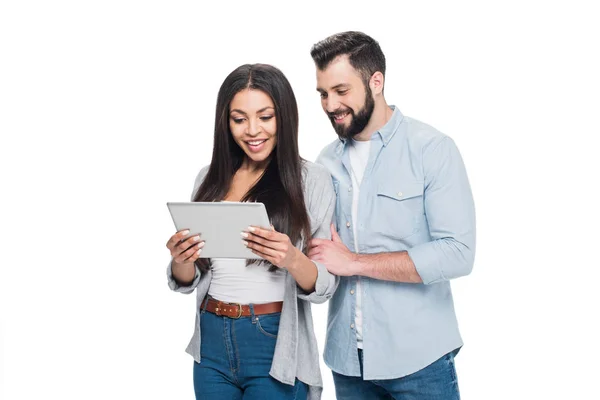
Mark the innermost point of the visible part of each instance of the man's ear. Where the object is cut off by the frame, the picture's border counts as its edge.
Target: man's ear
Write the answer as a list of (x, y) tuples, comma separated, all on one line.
[(376, 83)]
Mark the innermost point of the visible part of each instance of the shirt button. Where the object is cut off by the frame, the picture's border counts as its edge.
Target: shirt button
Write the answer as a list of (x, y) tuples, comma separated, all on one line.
[(350, 189), (348, 224), (399, 194), (352, 291), (352, 326)]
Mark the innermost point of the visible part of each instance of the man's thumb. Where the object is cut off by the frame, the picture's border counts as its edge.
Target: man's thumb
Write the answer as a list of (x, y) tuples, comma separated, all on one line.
[(334, 235)]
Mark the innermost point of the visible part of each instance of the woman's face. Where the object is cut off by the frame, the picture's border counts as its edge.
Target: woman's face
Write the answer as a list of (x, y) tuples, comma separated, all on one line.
[(253, 124)]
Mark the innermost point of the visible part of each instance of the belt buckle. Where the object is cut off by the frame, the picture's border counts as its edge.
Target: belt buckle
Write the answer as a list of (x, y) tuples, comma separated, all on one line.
[(239, 310)]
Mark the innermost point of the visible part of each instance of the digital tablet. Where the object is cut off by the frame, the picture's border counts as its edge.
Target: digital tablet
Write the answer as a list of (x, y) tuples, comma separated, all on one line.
[(220, 225)]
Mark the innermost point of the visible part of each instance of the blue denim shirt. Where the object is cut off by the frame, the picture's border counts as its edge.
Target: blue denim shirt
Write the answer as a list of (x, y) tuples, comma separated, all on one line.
[(414, 197)]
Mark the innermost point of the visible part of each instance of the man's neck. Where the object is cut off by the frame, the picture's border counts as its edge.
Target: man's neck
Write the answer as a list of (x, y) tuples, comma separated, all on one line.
[(382, 113)]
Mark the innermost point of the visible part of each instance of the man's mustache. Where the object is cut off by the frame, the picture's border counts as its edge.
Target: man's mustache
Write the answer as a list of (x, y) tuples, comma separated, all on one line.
[(339, 112)]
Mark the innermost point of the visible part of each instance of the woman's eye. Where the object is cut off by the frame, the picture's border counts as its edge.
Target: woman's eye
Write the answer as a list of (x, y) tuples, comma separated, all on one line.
[(238, 120), (266, 117)]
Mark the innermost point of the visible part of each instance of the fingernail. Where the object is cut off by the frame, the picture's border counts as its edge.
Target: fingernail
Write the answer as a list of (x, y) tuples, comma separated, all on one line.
[(196, 238), (199, 251), (245, 243), (185, 232), (244, 234), (200, 245), (251, 229)]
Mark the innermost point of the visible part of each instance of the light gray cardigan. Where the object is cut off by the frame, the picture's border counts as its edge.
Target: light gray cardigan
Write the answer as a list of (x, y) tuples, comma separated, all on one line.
[(296, 353)]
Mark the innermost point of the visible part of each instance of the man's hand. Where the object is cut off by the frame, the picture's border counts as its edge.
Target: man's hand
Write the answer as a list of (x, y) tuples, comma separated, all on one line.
[(334, 255)]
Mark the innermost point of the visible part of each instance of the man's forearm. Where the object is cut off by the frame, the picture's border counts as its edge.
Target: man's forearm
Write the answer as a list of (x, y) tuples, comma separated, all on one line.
[(397, 267)]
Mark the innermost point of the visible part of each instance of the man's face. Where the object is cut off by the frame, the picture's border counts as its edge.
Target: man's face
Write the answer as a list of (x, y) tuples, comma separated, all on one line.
[(346, 100)]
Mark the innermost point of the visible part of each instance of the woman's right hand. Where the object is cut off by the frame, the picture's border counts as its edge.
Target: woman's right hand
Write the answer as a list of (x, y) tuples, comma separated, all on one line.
[(185, 251)]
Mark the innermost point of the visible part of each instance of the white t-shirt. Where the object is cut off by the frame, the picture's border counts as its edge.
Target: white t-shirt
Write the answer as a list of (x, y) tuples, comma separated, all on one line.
[(359, 157), (234, 282)]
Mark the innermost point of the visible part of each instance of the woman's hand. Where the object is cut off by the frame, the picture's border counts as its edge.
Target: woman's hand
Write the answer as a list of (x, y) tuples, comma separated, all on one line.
[(271, 245), (185, 251)]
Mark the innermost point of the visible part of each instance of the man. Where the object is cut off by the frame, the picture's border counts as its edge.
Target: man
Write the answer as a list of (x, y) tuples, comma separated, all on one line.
[(405, 227)]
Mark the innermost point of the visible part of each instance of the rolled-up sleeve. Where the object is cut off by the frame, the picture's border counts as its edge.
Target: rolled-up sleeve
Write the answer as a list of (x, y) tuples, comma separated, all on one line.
[(450, 212), (176, 287), (321, 200)]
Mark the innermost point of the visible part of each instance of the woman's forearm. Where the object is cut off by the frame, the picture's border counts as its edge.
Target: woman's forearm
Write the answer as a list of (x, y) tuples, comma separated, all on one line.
[(304, 271), (184, 274)]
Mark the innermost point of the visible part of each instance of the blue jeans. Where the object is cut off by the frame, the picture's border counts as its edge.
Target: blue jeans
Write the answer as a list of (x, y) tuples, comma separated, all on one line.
[(437, 381), (236, 356)]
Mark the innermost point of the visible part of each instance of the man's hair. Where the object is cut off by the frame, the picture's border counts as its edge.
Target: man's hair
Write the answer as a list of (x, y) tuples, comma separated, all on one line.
[(363, 52)]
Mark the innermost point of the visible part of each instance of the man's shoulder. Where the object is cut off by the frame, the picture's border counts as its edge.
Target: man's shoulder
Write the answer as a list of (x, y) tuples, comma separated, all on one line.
[(421, 135)]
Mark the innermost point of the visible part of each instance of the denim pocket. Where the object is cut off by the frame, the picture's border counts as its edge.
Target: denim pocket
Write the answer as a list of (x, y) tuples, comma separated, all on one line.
[(268, 324)]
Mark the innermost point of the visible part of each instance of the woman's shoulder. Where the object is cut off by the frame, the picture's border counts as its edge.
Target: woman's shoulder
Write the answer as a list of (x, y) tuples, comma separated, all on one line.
[(312, 172), (316, 180), (319, 194), (199, 179), (203, 171)]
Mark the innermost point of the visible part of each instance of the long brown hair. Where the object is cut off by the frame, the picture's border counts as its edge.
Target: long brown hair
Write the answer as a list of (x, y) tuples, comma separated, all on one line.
[(280, 186)]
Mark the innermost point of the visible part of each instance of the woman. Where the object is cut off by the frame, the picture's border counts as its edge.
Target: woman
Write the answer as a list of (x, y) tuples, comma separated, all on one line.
[(270, 351)]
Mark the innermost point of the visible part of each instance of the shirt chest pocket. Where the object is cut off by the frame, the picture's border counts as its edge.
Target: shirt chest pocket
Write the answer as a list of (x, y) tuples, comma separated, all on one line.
[(399, 208)]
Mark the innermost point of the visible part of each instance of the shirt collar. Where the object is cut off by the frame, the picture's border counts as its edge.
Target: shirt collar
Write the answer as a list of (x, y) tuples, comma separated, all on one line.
[(386, 132)]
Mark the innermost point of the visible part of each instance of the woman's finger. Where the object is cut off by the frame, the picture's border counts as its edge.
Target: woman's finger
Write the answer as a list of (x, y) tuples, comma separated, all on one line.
[(176, 238), (190, 255), (273, 236), (186, 244), (275, 245), (262, 249)]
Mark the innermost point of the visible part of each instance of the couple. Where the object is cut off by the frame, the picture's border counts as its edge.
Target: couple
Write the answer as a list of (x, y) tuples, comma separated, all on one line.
[(398, 192)]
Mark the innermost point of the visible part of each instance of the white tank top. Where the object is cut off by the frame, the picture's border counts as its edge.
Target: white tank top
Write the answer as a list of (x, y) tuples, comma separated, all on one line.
[(234, 282)]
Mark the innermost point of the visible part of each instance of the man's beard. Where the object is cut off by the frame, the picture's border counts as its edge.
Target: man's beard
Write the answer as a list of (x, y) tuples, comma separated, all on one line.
[(359, 120)]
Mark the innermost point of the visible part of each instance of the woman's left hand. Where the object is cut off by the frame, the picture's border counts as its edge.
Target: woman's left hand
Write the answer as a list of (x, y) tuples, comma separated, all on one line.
[(271, 245)]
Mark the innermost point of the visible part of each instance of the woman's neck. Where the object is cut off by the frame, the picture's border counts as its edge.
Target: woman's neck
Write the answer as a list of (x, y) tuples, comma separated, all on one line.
[(245, 178), (251, 167)]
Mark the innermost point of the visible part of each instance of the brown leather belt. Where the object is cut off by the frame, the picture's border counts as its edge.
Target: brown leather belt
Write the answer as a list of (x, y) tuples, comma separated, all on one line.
[(235, 310)]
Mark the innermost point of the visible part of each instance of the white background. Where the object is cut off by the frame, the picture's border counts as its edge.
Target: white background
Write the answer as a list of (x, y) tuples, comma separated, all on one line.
[(106, 113)]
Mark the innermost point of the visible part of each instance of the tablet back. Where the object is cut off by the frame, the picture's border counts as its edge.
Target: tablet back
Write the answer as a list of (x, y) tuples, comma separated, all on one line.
[(220, 225)]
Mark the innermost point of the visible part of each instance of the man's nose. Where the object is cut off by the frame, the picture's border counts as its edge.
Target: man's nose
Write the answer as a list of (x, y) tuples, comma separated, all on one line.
[(332, 105)]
